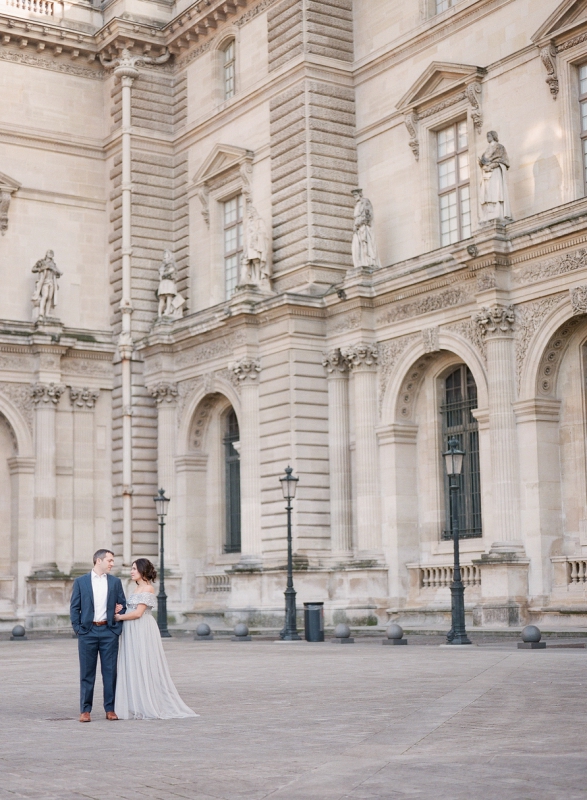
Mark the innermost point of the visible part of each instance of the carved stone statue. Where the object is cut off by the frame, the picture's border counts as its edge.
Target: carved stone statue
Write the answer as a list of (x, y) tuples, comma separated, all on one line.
[(170, 301), (45, 295), (493, 195), (364, 248), (254, 267)]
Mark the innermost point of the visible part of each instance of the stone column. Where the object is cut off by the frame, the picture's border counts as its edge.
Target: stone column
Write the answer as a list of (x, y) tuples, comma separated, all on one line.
[(45, 399), (83, 402), (339, 454), (362, 359), (504, 570), (165, 395), (246, 375), (497, 326)]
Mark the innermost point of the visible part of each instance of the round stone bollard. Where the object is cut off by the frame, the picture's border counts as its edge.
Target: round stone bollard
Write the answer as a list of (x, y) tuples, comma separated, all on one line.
[(531, 637), (18, 634), (394, 635), (203, 633), (342, 634), (241, 633)]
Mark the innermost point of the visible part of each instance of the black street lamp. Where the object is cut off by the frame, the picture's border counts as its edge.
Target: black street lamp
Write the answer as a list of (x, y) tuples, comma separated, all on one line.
[(161, 503), (453, 461), (290, 631)]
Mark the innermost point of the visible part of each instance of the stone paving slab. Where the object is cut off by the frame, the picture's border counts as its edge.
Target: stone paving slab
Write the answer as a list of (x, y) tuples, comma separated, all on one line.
[(302, 722)]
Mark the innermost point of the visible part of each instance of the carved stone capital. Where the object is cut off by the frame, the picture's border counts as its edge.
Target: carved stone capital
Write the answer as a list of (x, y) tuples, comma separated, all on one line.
[(497, 320), (361, 356), (164, 392), (246, 370), (43, 393), (83, 398), (579, 299), (335, 363)]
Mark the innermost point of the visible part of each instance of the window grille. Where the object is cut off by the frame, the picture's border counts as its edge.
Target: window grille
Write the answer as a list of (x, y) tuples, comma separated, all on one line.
[(229, 64), (233, 242), (232, 485), (454, 195), (460, 397)]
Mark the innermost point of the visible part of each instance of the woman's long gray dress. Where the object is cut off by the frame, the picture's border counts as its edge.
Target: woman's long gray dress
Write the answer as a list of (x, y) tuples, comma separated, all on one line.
[(144, 689)]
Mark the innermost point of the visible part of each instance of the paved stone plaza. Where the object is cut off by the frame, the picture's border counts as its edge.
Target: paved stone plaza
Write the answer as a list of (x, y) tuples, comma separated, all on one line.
[(300, 721)]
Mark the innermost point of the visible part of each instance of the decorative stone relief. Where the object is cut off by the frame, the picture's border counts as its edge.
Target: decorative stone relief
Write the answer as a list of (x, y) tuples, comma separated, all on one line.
[(45, 295), (430, 339), (200, 422), (345, 322), (411, 123), (493, 194), (246, 370), (164, 392), (551, 358), (81, 366), (19, 394), (471, 331), (364, 249), (553, 266), (361, 356), (495, 321), (46, 393), (50, 64), (410, 387), (389, 352), (448, 298), (8, 187), (579, 299), (208, 351), (486, 280), (529, 316), (334, 362), (185, 390), (83, 398), (548, 58)]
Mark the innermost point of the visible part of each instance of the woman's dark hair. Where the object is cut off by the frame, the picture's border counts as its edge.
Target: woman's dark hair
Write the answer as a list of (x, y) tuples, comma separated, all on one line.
[(145, 569)]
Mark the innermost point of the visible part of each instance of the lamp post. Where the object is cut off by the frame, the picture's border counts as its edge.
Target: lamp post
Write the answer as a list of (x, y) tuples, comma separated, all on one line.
[(453, 461), (290, 631), (161, 503)]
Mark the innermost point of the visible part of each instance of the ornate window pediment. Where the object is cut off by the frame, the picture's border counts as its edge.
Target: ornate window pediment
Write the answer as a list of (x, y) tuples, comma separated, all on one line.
[(441, 85), (8, 186), (565, 28), (219, 168)]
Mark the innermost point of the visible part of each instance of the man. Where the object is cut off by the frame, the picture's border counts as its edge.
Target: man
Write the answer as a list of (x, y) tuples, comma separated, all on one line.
[(96, 598)]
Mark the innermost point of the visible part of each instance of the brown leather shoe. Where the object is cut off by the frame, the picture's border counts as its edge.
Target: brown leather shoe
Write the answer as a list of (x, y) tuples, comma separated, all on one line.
[(111, 715), (85, 717)]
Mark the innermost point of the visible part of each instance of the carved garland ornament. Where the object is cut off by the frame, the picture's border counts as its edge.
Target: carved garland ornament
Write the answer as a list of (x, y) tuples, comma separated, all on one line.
[(553, 267)]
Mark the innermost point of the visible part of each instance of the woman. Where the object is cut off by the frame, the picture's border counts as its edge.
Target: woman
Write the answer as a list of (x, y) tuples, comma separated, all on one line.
[(144, 689)]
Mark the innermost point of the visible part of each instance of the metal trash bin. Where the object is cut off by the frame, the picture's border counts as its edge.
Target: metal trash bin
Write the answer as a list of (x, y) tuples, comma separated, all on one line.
[(314, 622)]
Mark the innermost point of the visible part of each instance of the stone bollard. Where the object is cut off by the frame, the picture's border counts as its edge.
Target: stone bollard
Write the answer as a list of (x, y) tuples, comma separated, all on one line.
[(203, 633), (394, 634), (342, 634), (18, 634), (531, 639), (241, 633)]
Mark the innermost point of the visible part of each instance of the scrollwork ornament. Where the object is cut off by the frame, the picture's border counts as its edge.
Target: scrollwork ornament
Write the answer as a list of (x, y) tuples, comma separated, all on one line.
[(548, 58), (473, 95), (411, 123)]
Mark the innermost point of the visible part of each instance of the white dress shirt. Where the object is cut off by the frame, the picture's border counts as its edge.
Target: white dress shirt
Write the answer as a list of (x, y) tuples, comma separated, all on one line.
[(100, 591)]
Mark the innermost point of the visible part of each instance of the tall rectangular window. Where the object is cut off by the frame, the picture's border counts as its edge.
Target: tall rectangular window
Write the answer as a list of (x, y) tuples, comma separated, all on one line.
[(442, 5), (454, 194), (229, 69), (583, 107), (233, 242)]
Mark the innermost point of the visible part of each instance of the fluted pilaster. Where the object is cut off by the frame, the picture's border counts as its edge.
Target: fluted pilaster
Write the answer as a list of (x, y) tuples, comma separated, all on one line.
[(337, 370), (362, 360), (165, 395)]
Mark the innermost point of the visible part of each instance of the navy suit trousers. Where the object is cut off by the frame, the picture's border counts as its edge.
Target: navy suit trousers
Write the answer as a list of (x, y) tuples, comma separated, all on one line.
[(103, 641)]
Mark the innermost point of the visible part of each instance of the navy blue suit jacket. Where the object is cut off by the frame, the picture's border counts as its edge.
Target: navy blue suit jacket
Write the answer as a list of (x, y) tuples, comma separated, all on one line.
[(81, 609)]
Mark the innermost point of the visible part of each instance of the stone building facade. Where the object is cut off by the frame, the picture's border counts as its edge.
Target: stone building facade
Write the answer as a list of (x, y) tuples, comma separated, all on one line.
[(298, 323)]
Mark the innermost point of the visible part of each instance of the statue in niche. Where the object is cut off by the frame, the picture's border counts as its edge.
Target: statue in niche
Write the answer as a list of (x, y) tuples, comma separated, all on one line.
[(254, 267), (170, 301), (493, 195), (364, 248), (45, 295)]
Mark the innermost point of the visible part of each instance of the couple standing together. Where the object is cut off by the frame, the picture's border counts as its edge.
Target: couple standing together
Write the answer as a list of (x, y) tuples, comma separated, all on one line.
[(135, 675)]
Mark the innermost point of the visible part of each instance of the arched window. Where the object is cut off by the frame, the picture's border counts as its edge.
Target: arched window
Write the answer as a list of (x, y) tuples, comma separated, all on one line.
[(460, 396), (232, 484), (229, 69)]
